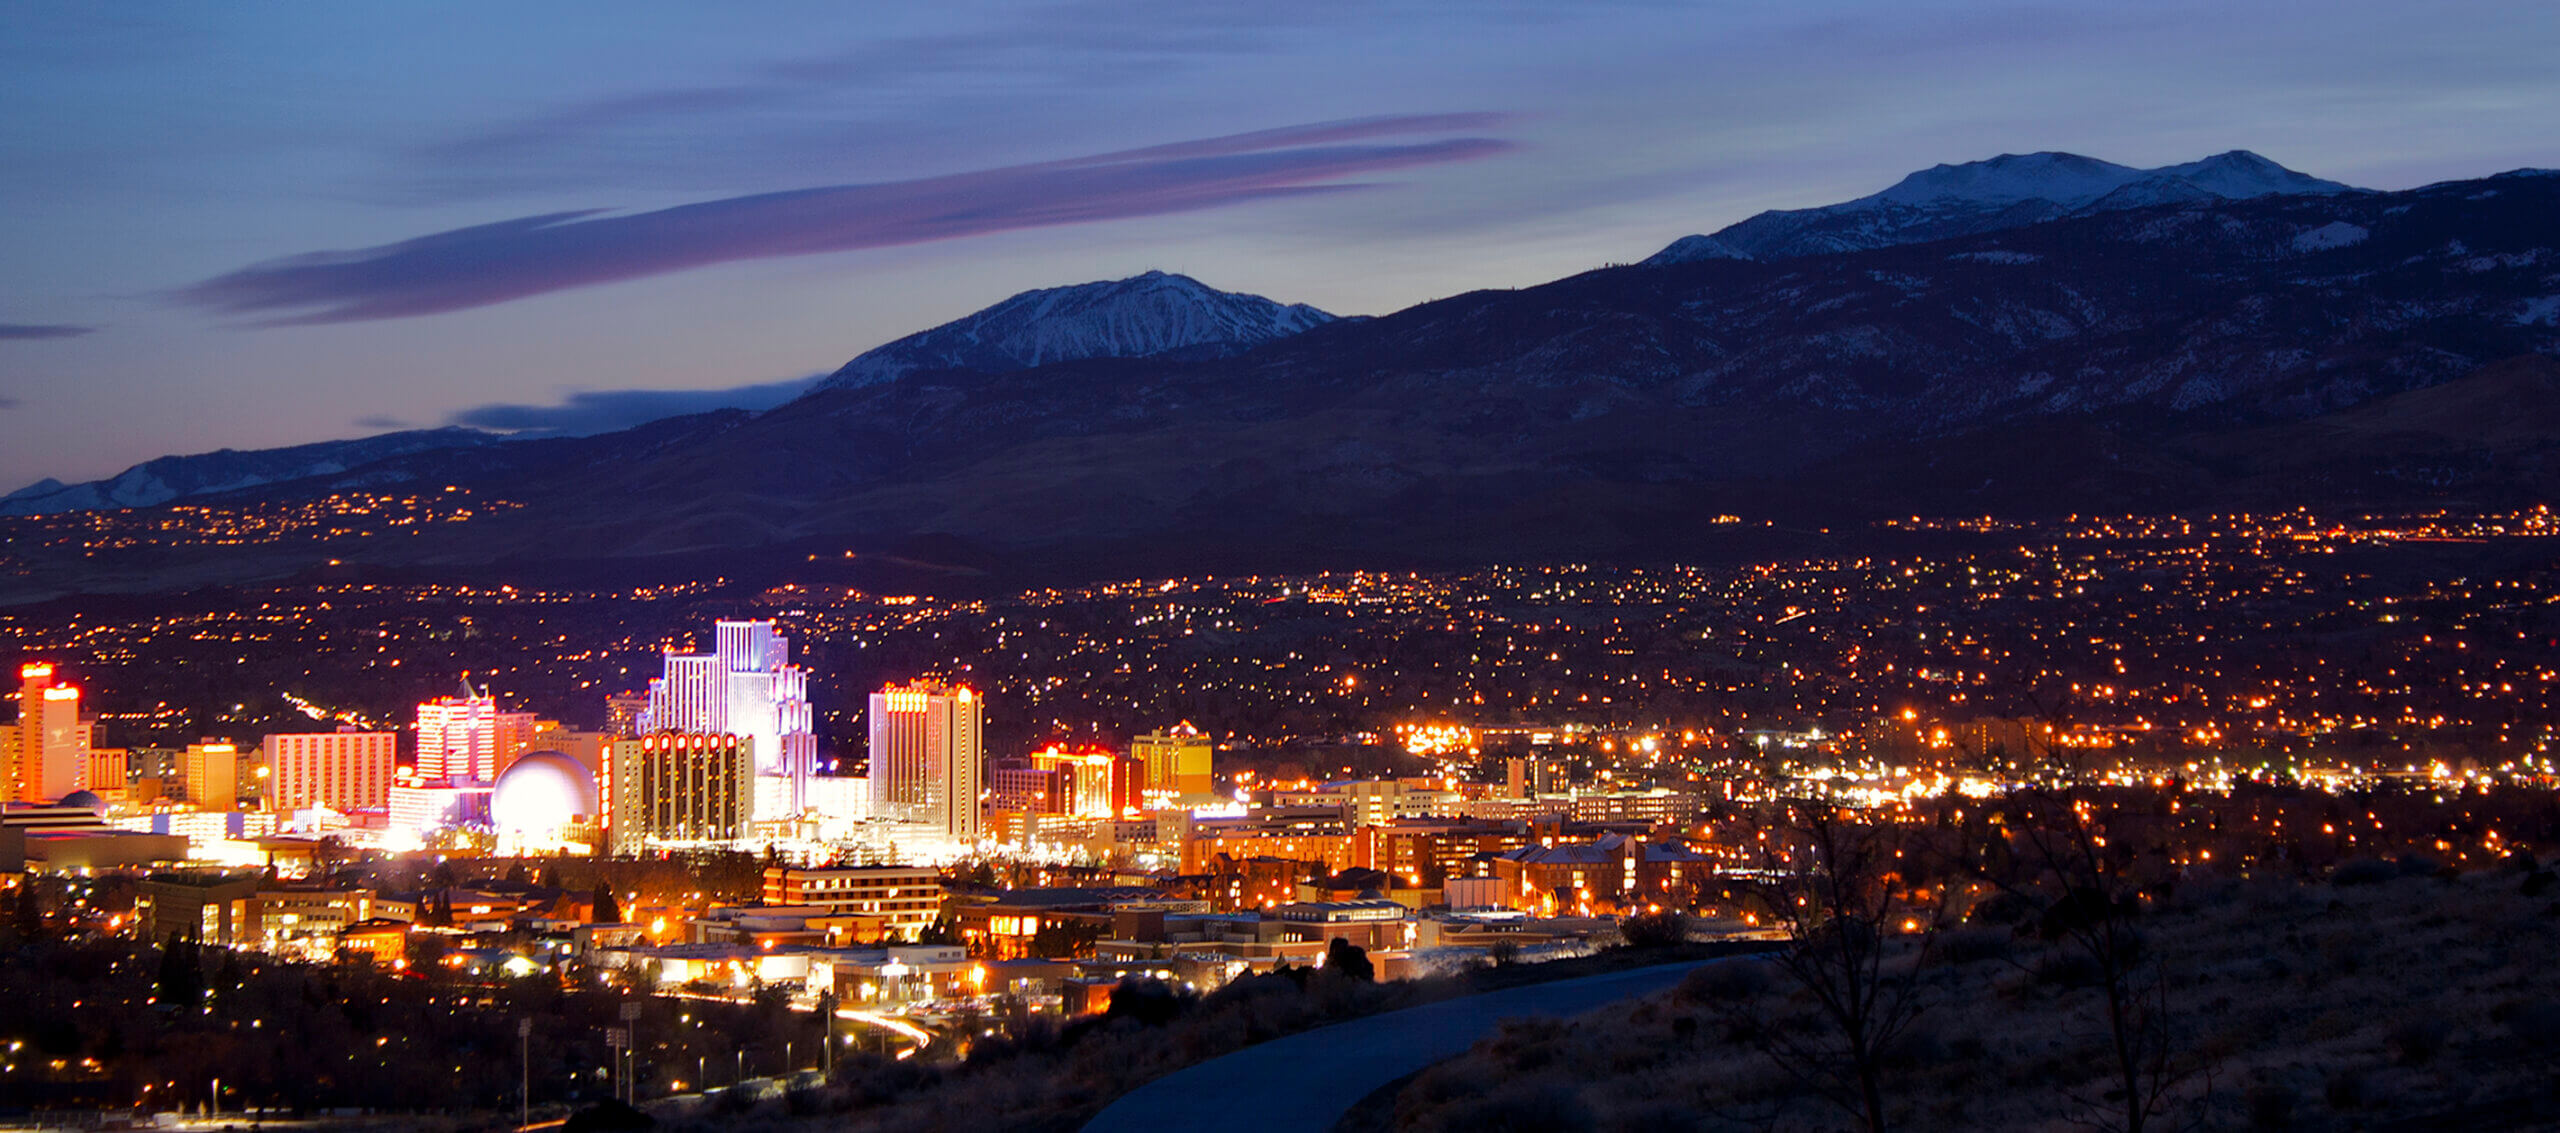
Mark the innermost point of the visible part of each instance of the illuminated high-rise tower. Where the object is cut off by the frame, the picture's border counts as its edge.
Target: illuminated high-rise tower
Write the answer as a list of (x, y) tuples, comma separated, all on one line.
[(53, 745), (1177, 763), (464, 740), (1097, 782), (212, 772), (746, 687), (347, 769), (927, 760)]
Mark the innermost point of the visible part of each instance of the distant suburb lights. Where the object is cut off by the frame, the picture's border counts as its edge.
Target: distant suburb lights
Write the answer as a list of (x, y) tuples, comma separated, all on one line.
[(513, 259)]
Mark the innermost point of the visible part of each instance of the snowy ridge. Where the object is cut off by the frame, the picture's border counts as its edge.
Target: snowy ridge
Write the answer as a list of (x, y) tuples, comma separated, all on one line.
[(2008, 191), (181, 477), (1127, 318), (2066, 179)]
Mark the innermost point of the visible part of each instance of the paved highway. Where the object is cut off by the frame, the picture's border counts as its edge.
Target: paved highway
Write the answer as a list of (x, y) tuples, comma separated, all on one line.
[(1305, 1083)]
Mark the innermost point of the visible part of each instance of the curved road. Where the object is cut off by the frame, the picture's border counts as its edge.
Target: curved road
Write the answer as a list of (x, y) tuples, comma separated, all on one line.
[(1305, 1083)]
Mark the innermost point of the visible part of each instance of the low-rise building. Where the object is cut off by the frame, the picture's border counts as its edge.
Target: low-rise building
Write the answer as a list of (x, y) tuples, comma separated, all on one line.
[(1208, 948), (1308, 834), (903, 973), (211, 908), (768, 927), (1373, 802), (1057, 922), (1426, 852), (308, 919), (1610, 872), (903, 899)]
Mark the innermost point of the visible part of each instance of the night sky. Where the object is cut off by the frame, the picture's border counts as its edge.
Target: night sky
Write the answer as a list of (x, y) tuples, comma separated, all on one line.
[(247, 226)]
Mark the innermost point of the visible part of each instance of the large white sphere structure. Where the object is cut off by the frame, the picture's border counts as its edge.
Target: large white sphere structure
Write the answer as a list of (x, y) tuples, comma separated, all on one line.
[(540, 795)]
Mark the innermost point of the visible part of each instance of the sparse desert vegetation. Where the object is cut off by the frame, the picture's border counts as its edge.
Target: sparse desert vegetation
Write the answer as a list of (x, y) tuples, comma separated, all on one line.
[(2389, 996)]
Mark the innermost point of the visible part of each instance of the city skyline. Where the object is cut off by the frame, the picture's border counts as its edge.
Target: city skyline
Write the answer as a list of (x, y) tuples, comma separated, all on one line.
[(1431, 786), (1429, 566)]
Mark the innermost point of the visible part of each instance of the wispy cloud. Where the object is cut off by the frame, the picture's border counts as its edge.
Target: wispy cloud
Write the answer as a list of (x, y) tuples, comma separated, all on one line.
[(883, 105), (603, 411), (42, 330), (514, 259), (10, 403)]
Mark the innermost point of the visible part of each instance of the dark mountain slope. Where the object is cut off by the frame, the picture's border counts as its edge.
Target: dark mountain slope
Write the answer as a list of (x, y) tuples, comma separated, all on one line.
[(171, 478), (1695, 379)]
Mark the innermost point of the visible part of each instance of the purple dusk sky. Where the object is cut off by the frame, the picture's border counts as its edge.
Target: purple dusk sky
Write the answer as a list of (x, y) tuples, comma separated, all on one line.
[(245, 226)]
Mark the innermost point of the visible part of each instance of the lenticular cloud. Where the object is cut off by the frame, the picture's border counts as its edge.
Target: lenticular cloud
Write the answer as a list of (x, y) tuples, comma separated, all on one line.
[(513, 259)]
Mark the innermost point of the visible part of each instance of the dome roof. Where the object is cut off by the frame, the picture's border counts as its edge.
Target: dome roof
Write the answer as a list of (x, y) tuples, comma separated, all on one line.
[(542, 792), (87, 799)]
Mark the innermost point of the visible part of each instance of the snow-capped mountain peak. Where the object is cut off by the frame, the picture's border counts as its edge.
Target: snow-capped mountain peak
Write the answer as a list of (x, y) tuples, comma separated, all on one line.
[(2008, 191), (1147, 314), (2066, 179), (2240, 174)]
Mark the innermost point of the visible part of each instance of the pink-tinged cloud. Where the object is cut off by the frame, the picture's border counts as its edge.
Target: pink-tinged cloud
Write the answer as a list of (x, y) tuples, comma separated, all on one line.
[(514, 259)]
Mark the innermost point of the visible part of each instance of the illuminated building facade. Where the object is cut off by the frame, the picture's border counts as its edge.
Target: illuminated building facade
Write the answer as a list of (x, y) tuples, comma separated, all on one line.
[(622, 712), (1177, 762), (53, 745), (1299, 834), (905, 898), (1372, 802), (212, 772), (345, 770), (1097, 782), (464, 740), (678, 787), (1427, 852), (1581, 877), (302, 919), (745, 687), (207, 908), (418, 808), (1025, 789), (927, 758), (107, 771)]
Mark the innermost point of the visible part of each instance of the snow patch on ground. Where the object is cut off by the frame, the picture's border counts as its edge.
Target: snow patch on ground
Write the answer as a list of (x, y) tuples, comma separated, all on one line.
[(1999, 257), (2199, 391), (2478, 264), (2335, 234)]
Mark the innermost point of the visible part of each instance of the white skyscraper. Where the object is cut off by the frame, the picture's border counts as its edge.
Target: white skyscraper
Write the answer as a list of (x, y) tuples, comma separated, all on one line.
[(744, 687), (927, 760)]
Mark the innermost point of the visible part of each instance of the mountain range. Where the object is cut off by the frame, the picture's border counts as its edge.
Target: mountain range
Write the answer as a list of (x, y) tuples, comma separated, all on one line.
[(2008, 191), (1152, 314), (2144, 339), (182, 477)]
